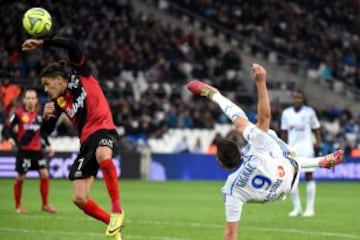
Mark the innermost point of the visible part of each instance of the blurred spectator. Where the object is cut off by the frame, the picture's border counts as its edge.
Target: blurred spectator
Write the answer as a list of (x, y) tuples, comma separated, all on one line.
[(9, 94), (182, 145), (212, 148), (198, 147), (6, 145)]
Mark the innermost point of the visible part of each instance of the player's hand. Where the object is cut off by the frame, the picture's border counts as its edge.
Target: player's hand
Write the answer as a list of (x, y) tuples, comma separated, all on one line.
[(49, 111), (258, 72), (12, 142), (50, 151), (32, 44)]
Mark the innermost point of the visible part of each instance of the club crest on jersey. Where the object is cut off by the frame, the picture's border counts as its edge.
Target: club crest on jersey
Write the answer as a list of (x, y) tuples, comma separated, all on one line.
[(281, 171), (25, 118), (61, 102)]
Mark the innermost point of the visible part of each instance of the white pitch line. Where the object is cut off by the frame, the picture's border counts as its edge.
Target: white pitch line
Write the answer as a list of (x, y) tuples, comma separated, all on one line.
[(289, 230), (260, 229), (68, 233), (219, 226)]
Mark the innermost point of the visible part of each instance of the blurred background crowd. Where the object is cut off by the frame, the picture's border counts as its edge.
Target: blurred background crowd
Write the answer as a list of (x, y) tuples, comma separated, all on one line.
[(143, 64)]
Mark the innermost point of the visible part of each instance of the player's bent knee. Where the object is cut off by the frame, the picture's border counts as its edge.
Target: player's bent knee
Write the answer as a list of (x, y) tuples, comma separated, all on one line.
[(79, 200)]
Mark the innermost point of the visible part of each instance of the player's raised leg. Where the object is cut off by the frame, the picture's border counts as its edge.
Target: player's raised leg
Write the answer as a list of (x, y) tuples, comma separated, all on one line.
[(327, 161), (231, 110)]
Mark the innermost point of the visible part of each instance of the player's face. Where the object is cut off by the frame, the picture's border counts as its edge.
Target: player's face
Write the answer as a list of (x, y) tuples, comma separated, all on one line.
[(30, 99), (298, 99), (54, 86)]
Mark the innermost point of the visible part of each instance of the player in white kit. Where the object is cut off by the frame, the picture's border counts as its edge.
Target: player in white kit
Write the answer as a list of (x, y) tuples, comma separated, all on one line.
[(265, 169), (298, 124)]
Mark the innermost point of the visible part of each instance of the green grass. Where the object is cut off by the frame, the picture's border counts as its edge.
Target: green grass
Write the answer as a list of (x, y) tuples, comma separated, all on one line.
[(179, 211)]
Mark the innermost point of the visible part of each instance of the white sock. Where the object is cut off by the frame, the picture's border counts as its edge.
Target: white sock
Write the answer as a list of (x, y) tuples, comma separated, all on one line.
[(306, 162), (296, 199), (231, 110), (310, 195)]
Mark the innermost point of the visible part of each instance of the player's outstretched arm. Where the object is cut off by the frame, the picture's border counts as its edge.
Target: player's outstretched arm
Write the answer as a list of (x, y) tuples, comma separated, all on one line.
[(231, 110), (32, 44), (263, 105), (76, 56)]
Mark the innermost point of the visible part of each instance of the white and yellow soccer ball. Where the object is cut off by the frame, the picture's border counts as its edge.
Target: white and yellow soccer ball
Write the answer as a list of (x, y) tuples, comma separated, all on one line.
[(37, 21)]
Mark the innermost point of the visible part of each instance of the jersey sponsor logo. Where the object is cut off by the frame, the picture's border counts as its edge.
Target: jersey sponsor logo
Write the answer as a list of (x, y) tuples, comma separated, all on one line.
[(297, 128), (25, 118), (79, 103), (61, 102), (106, 142), (74, 82), (29, 126)]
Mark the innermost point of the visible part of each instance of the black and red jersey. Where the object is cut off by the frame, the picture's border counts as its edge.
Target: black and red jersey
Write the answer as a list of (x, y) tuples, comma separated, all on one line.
[(83, 101), (28, 136)]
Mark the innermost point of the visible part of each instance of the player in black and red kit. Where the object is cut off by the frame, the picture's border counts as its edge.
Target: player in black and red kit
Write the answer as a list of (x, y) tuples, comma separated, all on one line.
[(29, 154), (79, 96)]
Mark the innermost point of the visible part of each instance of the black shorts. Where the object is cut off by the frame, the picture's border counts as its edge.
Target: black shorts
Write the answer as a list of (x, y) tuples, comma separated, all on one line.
[(29, 160), (86, 165)]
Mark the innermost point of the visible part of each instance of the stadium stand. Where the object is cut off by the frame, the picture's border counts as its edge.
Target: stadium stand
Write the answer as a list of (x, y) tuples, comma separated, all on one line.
[(143, 63)]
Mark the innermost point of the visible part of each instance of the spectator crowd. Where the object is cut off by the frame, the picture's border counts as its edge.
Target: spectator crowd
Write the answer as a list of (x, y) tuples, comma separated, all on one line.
[(143, 64), (318, 35)]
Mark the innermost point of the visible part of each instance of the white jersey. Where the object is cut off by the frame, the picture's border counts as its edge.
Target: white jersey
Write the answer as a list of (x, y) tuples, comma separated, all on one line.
[(265, 175), (299, 126)]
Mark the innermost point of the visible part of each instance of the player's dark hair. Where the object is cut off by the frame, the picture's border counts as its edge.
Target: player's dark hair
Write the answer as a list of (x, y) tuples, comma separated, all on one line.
[(298, 91), (55, 69), (228, 153)]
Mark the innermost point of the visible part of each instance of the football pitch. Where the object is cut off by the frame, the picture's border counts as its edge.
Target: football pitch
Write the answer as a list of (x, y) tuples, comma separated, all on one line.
[(175, 210)]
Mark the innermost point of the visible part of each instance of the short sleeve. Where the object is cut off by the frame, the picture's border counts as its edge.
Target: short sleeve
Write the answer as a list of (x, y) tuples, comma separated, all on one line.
[(283, 122), (255, 136), (233, 208), (314, 121)]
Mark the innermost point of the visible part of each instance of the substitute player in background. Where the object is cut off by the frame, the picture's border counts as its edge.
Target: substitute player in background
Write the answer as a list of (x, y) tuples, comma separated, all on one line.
[(265, 170), (29, 154), (79, 96), (298, 123)]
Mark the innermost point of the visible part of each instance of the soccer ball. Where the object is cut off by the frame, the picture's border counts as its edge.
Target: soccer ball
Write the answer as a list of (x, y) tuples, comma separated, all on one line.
[(37, 21)]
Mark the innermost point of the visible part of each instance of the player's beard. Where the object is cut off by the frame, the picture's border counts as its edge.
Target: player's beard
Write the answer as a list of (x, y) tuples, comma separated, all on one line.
[(30, 107)]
